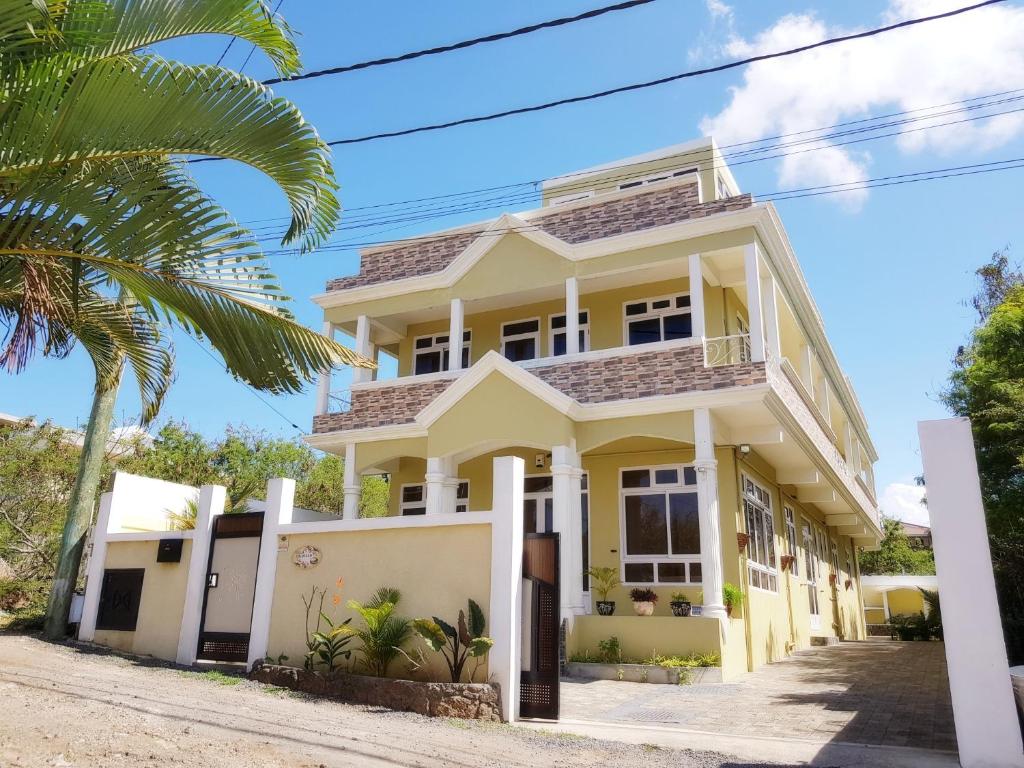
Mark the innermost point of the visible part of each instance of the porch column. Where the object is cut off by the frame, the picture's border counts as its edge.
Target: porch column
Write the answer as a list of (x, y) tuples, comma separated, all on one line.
[(885, 605), (708, 513), (752, 271), (359, 375), (350, 511), (572, 316), (567, 520), (323, 385), (697, 296), (437, 477), (455, 331), (770, 310)]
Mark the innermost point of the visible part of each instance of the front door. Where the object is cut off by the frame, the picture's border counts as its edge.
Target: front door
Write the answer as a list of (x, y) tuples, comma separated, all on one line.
[(538, 678), (230, 587)]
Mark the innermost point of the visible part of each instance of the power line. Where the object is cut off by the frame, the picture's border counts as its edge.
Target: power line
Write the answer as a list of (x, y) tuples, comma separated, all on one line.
[(252, 50), (592, 14)]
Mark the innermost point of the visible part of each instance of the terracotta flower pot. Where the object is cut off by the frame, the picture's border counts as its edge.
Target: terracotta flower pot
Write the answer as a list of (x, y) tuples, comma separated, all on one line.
[(742, 540), (644, 608)]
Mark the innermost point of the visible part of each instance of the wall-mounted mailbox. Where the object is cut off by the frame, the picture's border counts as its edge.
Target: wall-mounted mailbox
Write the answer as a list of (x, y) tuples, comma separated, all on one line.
[(169, 551)]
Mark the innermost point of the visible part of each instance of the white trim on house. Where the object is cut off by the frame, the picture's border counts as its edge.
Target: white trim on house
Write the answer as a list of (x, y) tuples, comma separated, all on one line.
[(383, 523)]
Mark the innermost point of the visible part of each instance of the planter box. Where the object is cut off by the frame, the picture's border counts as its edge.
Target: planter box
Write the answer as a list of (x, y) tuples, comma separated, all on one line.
[(644, 673), (469, 701)]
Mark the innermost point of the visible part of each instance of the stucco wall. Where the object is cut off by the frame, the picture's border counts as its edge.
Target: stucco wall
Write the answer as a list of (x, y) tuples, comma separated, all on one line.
[(163, 598)]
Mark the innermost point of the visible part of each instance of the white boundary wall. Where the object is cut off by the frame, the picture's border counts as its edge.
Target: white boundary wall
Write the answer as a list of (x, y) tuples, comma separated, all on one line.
[(987, 730)]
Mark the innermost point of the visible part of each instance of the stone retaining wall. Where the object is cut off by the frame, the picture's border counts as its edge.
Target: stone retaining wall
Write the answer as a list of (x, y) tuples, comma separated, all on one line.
[(469, 701)]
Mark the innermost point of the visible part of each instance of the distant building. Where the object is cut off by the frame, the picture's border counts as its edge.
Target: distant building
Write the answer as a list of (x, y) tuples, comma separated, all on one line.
[(920, 536)]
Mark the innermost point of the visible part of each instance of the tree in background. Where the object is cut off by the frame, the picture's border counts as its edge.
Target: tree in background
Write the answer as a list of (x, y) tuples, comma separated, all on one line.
[(895, 555)]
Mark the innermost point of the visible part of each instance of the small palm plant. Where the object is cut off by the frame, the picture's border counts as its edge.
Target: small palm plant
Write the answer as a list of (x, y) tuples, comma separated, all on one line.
[(604, 579), (384, 632), (457, 645)]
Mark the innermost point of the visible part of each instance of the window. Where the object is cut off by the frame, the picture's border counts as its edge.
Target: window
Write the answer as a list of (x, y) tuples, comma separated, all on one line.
[(791, 539), (812, 569), (660, 319), (520, 340), (413, 500), (757, 509), (835, 561), (723, 188), (558, 333), (430, 353), (660, 526), (462, 496), (656, 177), (849, 563)]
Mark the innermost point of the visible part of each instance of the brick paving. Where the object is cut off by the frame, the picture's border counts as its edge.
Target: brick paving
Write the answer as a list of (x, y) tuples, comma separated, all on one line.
[(874, 692)]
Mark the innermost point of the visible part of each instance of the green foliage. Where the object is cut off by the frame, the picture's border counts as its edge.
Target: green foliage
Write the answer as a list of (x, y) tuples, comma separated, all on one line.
[(610, 651), (895, 555), (456, 644), (679, 597), (690, 661), (731, 594), (326, 641), (383, 632), (915, 626), (603, 580)]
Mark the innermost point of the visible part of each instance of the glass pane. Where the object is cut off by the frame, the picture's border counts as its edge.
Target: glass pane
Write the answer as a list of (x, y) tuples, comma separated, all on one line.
[(441, 339), (636, 309), (428, 362), (636, 478), (414, 511), (666, 476), (521, 349), (585, 481), (585, 522), (465, 357), (640, 572), (661, 304), (678, 327), (644, 331), (558, 321), (463, 491), (549, 516), (425, 342), (696, 577), (645, 525), (682, 301), (538, 484), (583, 318), (689, 476), (672, 572), (412, 493), (526, 326), (558, 344), (769, 539), (684, 523), (530, 515), (467, 335)]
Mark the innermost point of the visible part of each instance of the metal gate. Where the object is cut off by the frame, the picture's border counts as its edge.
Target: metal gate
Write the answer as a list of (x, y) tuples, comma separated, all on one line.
[(230, 587), (538, 678)]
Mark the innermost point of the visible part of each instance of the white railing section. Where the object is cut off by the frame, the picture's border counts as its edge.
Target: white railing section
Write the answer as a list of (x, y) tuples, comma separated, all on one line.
[(727, 350)]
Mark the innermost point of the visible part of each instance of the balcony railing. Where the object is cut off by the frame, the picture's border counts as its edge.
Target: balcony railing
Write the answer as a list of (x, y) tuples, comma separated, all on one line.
[(727, 350)]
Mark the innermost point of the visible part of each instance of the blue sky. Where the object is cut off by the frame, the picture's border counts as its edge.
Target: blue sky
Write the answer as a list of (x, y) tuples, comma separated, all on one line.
[(890, 270)]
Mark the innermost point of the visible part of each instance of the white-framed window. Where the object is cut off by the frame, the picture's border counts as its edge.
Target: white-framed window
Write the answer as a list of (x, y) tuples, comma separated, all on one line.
[(462, 496), (557, 335), (413, 500), (655, 177), (849, 562), (520, 339), (791, 539), (812, 568), (761, 559), (539, 508), (430, 353), (662, 318), (723, 188), (659, 525), (835, 560), (571, 197)]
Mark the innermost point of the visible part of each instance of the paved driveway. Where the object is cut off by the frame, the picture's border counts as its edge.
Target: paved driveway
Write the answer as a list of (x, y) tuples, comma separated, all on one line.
[(873, 692)]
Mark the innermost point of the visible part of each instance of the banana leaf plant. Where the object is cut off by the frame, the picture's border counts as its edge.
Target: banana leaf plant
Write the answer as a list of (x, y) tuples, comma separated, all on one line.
[(456, 644)]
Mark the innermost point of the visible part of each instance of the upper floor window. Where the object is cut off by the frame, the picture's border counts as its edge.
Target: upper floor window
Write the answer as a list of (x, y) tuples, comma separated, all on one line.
[(757, 508), (659, 319), (791, 539), (520, 339), (430, 353), (723, 188), (655, 177), (558, 344)]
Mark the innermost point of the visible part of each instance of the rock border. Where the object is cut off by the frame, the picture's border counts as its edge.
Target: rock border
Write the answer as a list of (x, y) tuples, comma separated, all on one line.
[(468, 701)]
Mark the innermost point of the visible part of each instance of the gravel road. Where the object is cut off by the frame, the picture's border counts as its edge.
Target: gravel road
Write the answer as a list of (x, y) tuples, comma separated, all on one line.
[(73, 706)]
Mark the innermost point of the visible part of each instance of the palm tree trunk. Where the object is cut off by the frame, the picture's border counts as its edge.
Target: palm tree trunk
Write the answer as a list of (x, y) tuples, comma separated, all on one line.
[(83, 497)]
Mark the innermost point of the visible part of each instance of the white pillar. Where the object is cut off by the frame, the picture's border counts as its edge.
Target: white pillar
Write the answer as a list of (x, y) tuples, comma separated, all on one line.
[(708, 513), (567, 520), (572, 316), (752, 270), (350, 510), (697, 296), (770, 310), (435, 478), (987, 731), (826, 400), (807, 369), (505, 619), (323, 385), (94, 574), (885, 604), (210, 504), (278, 512), (848, 449), (359, 375), (455, 331)]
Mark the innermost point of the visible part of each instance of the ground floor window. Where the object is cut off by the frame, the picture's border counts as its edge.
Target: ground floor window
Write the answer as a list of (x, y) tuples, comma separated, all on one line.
[(659, 525), (539, 508), (414, 498), (761, 561), (791, 539)]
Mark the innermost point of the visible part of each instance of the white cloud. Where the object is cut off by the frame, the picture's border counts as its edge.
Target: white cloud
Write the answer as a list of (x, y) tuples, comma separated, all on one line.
[(943, 61), (719, 10), (903, 501)]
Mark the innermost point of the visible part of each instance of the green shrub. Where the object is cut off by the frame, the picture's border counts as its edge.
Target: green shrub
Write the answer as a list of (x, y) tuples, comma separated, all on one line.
[(609, 650), (456, 644), (383, 632)]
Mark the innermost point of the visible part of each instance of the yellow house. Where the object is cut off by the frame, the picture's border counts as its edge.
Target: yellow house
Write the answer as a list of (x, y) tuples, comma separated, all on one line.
[(646, 342)]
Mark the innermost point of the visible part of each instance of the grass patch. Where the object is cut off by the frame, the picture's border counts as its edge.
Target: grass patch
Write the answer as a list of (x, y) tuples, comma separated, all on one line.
[(213, 676)]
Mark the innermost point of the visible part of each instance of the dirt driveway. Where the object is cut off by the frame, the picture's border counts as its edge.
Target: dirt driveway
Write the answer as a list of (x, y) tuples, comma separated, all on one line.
[(63, 706)]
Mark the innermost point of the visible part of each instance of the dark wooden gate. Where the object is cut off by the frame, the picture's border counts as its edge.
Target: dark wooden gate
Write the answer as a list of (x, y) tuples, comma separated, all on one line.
[(221, 645), (538, 684)]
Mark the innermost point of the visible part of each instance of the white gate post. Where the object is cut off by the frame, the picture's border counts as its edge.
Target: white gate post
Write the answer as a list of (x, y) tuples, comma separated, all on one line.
[(278, 512), (209, 505), (94, 575), (506, 580), (987, 731)]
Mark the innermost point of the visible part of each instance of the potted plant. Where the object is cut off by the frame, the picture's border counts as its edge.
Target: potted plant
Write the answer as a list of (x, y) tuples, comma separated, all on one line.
[(786, 561), (849, 584), (832, 579), (680, 605), (742, 540), (643, 600), (604, 579), (731, 596)]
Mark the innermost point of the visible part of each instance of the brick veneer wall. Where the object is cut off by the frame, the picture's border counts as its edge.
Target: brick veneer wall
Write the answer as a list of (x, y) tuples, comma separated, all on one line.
[(626, 377), (574, 225)]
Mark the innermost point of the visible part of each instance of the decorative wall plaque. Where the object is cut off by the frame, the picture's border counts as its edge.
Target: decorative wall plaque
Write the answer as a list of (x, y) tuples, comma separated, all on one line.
[(306, 557)]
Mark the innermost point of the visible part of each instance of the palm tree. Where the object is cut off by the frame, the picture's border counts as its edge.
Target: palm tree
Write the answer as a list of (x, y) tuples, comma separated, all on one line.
[(104, 236)]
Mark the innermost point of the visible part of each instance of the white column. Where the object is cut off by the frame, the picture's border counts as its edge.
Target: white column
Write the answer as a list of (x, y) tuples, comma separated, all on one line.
[(505, 619), (848, 449), (323, 385), (278, 512), (752, 271), (94, 574), (435, 478), (826, 400), (885, 604), (455, 331), (770, 310), (210, 504), (987, 730), (807, 369), (567, 520), (708, 513), (350, 510), (572, 316), (697, 296), (359, 375)]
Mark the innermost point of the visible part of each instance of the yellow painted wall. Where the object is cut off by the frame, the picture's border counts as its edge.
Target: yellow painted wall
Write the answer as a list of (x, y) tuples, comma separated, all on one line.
[(907, 601), (436, 569), (162, 603)]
